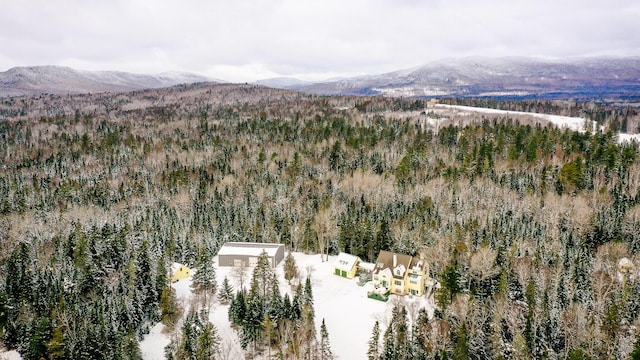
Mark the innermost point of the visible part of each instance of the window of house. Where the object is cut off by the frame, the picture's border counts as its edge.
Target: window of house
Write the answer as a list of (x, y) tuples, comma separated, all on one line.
[(397, 282)]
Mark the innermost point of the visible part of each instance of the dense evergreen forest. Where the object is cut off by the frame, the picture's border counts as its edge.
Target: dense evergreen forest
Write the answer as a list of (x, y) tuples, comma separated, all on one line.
[(523, 224)]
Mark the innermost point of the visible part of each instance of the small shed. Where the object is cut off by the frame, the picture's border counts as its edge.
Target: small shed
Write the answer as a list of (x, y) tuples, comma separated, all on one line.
[(247, 253), (179, 272), (346, 265)]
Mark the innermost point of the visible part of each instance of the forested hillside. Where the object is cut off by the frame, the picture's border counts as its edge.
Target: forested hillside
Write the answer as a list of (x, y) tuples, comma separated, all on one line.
[(523, 224)]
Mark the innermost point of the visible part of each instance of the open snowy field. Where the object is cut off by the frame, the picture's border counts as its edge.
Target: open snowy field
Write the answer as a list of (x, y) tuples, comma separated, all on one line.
[(349, 315), (572, 123)]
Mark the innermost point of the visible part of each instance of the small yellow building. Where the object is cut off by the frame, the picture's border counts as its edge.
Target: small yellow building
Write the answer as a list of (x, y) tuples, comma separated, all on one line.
[(179, 272), (346, 265)]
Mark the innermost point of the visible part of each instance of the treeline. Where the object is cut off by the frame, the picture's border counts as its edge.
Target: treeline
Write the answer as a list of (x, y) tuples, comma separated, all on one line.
[(523, 225)]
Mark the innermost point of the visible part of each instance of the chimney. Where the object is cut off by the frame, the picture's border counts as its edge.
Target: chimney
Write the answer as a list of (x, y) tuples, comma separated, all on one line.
[(395, 260)]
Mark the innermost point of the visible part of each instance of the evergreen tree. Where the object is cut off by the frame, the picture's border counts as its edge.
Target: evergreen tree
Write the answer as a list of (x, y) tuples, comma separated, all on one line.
[(461, 349), (275, 302), (252, 324), (308, 291), (325, 347), (144, 282), (401, 334), (261, 279), (55, 346), (383, 239), (18, 280), (190, 333), (287, 311), (131, 348), (308, 327), (290, 267), (420, 336), (204, 280), (162, 277), (40, 338), (373, 353), (208, 343), (225, 294), (388, 350), (238, 309), (169, 311)]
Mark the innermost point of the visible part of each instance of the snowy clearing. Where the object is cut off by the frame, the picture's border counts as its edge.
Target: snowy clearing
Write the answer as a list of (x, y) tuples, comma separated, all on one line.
[(348, 313), (572, 123)]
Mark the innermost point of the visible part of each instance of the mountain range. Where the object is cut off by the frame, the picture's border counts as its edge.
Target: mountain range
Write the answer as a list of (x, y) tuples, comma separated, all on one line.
[(31, 80), (509, 77), (498, 77)]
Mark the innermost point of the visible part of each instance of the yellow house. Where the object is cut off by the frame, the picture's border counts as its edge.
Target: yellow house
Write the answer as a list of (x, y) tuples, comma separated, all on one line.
[(400, 274), (179, 272), (418, 275), (346, 265)]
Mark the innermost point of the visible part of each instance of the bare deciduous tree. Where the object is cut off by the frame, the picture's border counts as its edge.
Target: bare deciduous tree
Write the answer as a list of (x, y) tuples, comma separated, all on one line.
[(326, 228)]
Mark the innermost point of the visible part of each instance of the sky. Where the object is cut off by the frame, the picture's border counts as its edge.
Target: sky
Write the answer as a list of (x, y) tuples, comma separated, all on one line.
[(247, 40)]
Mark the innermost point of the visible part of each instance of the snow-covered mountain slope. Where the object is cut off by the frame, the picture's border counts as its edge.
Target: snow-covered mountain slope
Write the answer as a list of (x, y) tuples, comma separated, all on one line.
[(63, 80), (499, 77)]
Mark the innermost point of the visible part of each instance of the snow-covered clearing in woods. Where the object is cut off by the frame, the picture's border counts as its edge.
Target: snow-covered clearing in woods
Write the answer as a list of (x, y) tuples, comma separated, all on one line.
[(572, 123), (349, 315)]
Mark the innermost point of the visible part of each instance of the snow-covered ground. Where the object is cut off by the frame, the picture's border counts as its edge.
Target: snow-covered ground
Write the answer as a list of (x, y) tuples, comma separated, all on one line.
[(572, 123), (349, 315), (622, 137), (9, 355)]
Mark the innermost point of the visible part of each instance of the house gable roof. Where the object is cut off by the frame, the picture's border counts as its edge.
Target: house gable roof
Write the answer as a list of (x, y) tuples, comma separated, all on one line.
[(249, 249), (385, 261), (346, 261)]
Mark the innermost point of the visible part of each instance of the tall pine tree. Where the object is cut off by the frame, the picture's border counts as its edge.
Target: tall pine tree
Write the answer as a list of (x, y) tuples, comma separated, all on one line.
[(373, 353), (325, 347)]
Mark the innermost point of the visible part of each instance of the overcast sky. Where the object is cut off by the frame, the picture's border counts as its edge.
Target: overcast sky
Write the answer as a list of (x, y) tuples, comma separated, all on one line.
[(240, 40)]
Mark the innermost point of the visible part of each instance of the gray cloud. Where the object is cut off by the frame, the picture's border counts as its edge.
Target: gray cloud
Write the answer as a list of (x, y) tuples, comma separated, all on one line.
[(251, 39)]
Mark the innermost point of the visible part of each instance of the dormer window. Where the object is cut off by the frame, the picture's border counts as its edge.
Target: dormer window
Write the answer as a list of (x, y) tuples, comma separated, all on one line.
[(399, 270)]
